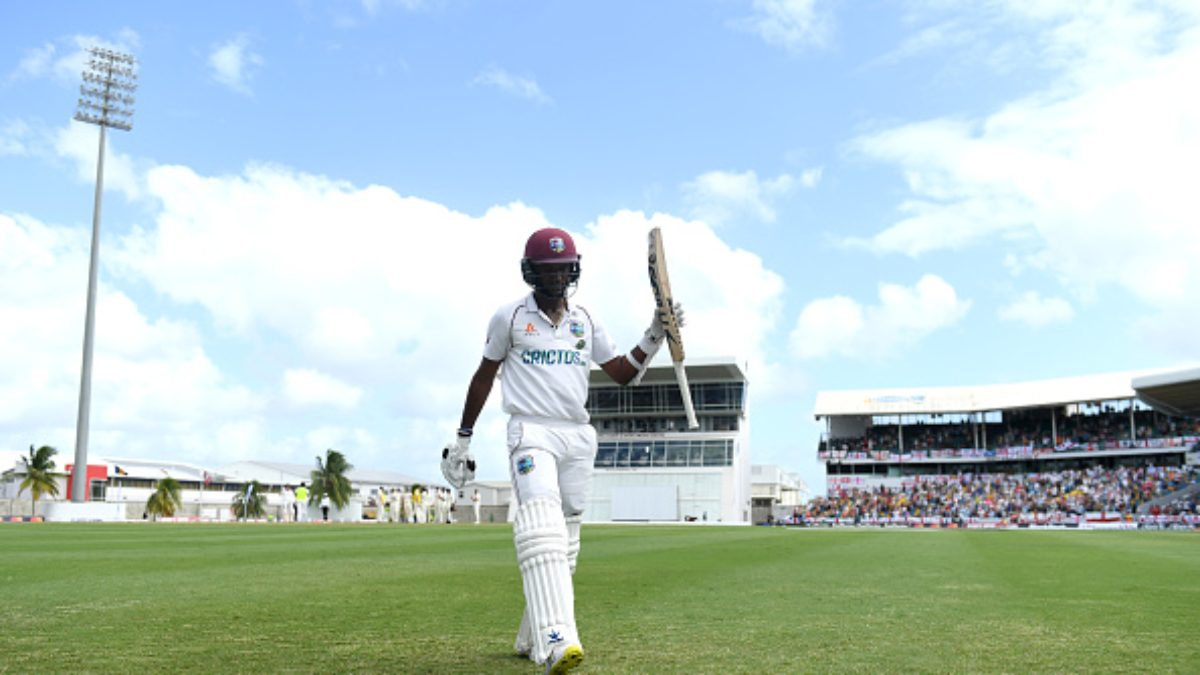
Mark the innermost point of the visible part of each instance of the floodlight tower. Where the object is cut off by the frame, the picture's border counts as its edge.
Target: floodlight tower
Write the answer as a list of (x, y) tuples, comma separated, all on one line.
[(107, 90)]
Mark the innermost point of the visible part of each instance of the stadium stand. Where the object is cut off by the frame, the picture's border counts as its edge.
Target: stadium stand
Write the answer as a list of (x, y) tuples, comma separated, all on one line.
[(1102, 451)]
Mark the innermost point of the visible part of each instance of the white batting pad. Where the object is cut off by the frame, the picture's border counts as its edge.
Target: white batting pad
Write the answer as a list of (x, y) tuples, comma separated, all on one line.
[(524, 643), (573, 526), (540, 531)]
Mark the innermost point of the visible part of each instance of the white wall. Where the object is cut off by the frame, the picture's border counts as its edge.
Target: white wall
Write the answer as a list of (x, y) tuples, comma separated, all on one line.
[(700, 491)]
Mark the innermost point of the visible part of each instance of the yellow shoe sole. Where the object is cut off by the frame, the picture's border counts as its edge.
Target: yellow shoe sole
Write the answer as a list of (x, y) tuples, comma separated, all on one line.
[(570, 660)]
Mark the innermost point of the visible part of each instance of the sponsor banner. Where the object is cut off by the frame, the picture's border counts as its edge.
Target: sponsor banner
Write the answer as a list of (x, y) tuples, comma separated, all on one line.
[(1027, 450)]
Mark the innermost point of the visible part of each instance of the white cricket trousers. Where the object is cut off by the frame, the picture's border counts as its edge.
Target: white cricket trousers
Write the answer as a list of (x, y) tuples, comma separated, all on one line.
[(551, 459)]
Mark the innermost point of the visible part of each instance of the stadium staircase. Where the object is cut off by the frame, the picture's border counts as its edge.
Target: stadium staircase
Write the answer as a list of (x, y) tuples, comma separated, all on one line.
[(1188, 492)]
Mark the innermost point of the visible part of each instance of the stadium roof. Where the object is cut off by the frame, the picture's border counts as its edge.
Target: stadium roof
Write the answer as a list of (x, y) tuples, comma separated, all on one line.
[(699, 369), (282, 473), (1174, 393), (982, 398)]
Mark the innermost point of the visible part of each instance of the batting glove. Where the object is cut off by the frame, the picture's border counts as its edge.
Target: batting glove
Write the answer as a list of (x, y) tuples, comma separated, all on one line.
[(653, 338), (458, 464)]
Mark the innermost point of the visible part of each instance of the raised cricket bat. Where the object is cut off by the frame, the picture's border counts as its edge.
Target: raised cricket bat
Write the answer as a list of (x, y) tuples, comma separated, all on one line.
[(660, 283)]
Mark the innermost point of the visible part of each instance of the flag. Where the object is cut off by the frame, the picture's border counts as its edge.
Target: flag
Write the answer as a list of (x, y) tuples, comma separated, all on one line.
[(249, 490), (119, 471), (207, 478)]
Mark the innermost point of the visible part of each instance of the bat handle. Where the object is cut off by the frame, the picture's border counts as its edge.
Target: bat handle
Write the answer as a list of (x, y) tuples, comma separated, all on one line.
[(686, 393)]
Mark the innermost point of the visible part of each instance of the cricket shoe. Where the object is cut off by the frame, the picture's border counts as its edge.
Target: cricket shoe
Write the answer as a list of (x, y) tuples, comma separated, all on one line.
[(564, 659)]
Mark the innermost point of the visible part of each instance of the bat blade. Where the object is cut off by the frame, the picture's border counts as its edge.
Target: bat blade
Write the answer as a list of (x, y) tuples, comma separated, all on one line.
[(664, 302)]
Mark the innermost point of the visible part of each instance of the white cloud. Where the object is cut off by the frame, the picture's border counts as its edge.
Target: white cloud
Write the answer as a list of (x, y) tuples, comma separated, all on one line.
[(522, 87), (77, 142), (233, 64), (15, 138), (154, 389), (1092, 174), (36, 62), (376, 304), (718, 197), (364, 314), (1036, 311), (304, 387), (790, 24), (66, 60), (375, 6), (932, 38), (843, 326), (728, 313)]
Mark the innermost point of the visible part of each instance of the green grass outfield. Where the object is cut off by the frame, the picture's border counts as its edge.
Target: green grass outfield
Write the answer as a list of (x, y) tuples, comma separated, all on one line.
[(238, 598)]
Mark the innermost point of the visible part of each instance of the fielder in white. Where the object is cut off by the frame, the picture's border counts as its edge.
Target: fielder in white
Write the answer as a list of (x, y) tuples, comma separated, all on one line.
[(289, 504), (397, 505), (547, 346)]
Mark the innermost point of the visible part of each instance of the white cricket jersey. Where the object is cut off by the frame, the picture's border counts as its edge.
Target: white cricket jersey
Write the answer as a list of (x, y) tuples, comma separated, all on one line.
[(545, 367)]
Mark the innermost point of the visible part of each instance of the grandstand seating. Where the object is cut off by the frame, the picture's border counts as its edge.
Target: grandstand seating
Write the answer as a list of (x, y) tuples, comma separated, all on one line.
[(1053, 497)]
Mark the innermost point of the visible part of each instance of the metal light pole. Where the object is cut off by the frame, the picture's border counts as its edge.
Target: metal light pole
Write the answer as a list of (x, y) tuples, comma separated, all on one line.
[(107, 90)]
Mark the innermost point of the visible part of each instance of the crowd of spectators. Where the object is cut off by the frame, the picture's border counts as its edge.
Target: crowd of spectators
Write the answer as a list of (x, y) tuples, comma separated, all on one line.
[(1033, 429), (1118, 490)]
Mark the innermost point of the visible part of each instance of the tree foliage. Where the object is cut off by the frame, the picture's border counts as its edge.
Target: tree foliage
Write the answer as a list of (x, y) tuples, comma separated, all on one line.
[(329, 478), (39, 476), (166, 500), (254, 506)]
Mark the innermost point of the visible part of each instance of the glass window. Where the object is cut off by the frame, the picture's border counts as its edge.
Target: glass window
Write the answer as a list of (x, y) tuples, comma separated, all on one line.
[(724, 423), (658, 454), (641, 399), (640, 455), (677, 453), (716, 453), (622, 454), (606, 455), (605, 400), (671, 399), (713, 397)]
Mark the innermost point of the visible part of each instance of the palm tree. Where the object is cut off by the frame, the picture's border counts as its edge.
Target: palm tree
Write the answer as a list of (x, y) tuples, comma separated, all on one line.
[(40, 476), (253, 506), (166, 498), (330, 479)]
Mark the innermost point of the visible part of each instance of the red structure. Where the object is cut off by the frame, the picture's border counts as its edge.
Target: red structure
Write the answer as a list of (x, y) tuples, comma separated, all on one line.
[(94, 472)]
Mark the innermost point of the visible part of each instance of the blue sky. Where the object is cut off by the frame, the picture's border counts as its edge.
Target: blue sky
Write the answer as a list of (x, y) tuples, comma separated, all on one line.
[(321, 203)]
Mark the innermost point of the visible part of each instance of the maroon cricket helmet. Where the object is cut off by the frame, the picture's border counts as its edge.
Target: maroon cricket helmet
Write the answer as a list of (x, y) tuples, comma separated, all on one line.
[(550, 245), (546, 246)]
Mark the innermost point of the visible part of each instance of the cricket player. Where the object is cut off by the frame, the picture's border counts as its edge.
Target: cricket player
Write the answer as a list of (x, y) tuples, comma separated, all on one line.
[(289, 504), (302, 503), (547, 346)]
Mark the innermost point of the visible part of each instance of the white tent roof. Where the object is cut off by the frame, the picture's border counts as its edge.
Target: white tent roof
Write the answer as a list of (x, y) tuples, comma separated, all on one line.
[(982, 398)]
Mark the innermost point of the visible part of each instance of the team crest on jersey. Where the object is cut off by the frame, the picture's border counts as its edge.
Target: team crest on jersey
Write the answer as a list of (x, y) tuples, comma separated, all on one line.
[(556, 244), (576, 328), (525, 465)]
